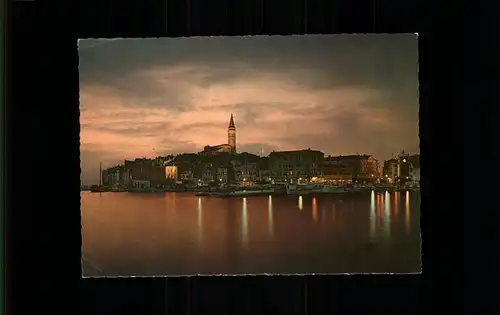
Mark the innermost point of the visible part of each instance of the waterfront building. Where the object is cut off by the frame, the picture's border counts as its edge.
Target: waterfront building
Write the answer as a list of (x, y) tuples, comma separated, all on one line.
[(225, 174), (415, 176), (293, 166), (171, 173), (263, 173), (363, 167), (187, 175), (390, 170), (146, 170), (113, 176), (140, 184), (338, 173), (404, 168), (229, 147), (415, 169), (207, 175)]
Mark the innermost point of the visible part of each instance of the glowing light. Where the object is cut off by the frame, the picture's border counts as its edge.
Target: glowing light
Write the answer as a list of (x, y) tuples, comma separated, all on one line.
[(396, 203), (301, 206), (244, 222), (407, 212), (270, 217), (171, 172), (372, 202), (200, 220), (373, 215), (387, 214), (387, 204), (315, 209)]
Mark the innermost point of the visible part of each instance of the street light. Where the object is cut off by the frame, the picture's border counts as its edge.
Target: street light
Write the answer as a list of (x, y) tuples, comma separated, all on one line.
[(404, 160)]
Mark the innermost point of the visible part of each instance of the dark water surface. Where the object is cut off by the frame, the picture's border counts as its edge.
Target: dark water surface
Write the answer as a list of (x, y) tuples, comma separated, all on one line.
[(130, 234)]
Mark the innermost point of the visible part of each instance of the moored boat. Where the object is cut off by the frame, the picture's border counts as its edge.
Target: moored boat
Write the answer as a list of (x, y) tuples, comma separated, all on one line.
[(244, 193), (97, 188), (333, 189), (297, 190), (238, 193)]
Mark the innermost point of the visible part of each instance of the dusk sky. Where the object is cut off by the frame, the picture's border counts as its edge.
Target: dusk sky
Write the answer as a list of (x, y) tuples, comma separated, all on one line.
[(341, 94)]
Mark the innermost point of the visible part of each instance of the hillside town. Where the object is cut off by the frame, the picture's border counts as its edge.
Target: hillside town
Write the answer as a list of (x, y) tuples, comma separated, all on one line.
[(222, 165)]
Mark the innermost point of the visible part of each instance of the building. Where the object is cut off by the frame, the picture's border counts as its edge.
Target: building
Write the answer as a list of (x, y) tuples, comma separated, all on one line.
[(230, 147), (364, 168), (140, 184), (146, 170), (293, 166), (172, 173), (415, 176), (225, 174), (390, 170), (415, 169), (337, 173), (263, 174), (114, 176), (208, 175), (404, 168), (187, 175), (247, 172)]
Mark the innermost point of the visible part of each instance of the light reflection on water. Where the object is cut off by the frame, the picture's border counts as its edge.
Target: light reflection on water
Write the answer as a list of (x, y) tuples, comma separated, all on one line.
[(314, 209), (387, 214), (373, 215), (396, 203), (199, 209), (244, 222), (407, 212), (153, 234), (270, 217)]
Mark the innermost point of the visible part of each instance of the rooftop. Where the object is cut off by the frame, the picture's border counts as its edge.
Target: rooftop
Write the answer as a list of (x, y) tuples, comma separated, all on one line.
[(294, 151), (348, 157)]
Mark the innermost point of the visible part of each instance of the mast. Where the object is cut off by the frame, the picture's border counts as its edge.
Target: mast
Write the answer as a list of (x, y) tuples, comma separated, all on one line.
[(100, 174)]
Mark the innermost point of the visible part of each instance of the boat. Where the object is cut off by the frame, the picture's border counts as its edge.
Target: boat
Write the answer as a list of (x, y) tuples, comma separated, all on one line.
[(238, 193), (297, 190), (202, 193), (365, 188), (97, 188), (383, 188), (333, 189), (279, 190), (352, 189), (245, 193)]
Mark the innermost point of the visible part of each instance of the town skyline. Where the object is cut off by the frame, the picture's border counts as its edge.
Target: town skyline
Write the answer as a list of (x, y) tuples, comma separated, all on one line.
[(154, 97)]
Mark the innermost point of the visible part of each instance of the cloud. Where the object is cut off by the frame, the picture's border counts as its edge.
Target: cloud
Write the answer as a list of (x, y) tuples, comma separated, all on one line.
[(340, 94)]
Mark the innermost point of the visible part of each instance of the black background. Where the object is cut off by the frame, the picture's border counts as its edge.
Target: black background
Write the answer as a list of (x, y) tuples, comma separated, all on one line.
[(458, 118)]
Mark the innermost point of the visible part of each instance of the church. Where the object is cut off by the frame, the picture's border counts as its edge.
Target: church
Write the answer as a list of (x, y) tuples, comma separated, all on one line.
[(230, 147)]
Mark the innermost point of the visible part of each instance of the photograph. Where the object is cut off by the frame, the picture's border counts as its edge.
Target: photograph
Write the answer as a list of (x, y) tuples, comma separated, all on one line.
[(241, 155)]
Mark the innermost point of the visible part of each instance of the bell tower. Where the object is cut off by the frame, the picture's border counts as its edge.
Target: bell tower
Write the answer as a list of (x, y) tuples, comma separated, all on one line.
[(231, 135)]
